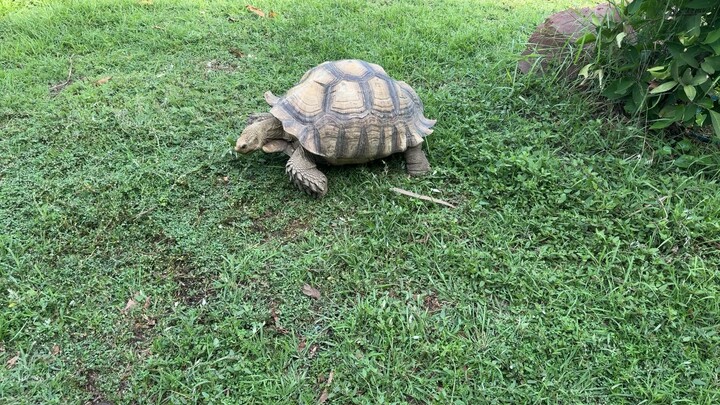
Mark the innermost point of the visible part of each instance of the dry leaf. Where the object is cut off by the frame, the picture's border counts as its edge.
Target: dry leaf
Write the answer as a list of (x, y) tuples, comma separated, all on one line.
[(11, 363), (130, 305), (236, 52), (255, 10), (323, 397), (431, 302), (103, 80), (311, 292), (301, 344), (330, 377), (147, 303), (276, 320), (272, 14), (55, 350), (313, 350)]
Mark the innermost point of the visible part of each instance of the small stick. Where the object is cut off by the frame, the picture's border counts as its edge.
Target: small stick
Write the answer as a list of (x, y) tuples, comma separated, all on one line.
[(421, 197), (58, 87)]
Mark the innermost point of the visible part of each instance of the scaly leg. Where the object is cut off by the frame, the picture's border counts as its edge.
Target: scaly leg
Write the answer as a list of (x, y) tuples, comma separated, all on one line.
[(304, 174), (416, 162)]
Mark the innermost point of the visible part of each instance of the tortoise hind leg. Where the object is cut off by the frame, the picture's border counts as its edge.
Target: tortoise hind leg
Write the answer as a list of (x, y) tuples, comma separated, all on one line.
[(304, 174), (416, 162)]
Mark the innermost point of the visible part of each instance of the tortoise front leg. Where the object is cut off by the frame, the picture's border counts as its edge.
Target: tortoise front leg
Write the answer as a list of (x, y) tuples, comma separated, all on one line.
[(304, 174), (416, 162)]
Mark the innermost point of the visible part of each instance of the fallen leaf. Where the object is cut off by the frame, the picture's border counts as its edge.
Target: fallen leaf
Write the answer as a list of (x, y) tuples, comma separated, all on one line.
[(233, 19), (11, 363), (276, 320), (273, 314), (255, 10), (103, 80), (236, 52), (131, 303), (330, 377), (272, 14), (431, 303), (147, 303), (311, 292), (323, 396), (313, 350), (301, 344), (55, 350)]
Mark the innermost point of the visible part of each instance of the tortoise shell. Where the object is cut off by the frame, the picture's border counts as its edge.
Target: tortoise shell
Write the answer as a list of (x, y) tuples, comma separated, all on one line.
[(352, 111)]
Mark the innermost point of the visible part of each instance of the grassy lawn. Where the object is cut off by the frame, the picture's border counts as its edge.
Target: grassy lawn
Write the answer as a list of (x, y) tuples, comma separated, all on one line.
[(142, 261)]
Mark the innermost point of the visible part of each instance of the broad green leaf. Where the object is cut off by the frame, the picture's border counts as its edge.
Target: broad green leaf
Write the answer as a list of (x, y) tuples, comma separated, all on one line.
[(713, 61), (672, 111), (716, 47), (690, 92), (662, 123), (700, 119), (689, 114), (684, 161), (618, 88), (705, 102), (700, 78), (692, 24), (687, 76), (712, 36), (684, 55), (585, 71), (587, 38), (635, 6), (687, 40), (659, 72), (623, 85), (619, 37), (667, 86), (707, 68), (638, 97), (701, 4), (715, 118)]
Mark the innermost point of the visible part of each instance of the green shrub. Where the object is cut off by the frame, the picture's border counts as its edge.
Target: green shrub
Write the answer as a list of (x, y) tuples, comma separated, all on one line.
[(660, 59)]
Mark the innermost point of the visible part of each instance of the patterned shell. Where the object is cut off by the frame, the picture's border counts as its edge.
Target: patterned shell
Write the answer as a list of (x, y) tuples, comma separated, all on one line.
[(352, 110)]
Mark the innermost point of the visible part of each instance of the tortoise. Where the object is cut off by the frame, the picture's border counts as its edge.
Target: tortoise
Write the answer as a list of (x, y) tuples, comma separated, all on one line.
[(341, 112)]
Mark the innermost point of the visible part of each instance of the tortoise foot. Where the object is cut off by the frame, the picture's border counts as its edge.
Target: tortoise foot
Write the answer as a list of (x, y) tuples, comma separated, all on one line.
[(304, 174), (416, 162)]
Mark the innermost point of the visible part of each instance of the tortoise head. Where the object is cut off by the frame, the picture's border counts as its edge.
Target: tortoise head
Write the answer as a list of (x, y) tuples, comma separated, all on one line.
[(262, 130)]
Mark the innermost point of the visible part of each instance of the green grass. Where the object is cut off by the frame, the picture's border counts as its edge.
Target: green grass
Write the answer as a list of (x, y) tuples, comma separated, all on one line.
[(579, 267)]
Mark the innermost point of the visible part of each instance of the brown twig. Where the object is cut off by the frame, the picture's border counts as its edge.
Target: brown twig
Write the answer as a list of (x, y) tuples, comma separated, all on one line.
[(58, 87)]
